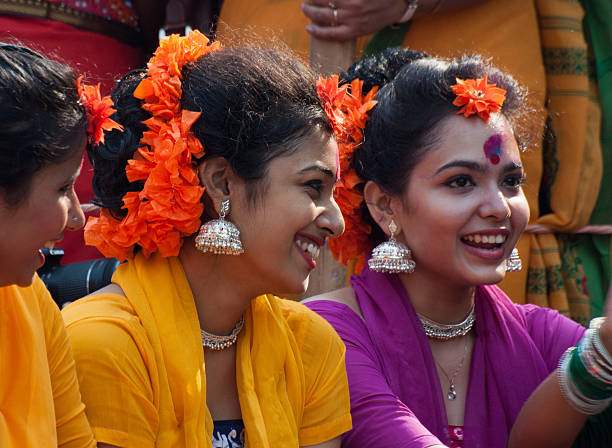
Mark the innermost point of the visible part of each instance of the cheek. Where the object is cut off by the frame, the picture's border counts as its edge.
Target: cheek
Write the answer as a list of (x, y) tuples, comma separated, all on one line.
[(520, 212), (57, 215)]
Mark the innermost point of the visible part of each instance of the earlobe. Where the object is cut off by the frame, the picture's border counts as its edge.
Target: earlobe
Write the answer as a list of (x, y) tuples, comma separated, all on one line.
[(379, 203), (215, 175)]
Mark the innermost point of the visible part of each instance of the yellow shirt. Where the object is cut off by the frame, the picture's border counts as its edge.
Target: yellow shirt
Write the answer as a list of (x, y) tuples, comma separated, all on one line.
[(40, 404), (141, 366)]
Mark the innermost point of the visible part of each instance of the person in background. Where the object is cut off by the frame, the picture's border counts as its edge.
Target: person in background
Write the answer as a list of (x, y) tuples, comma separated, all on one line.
[(218, 191), (42, 139)]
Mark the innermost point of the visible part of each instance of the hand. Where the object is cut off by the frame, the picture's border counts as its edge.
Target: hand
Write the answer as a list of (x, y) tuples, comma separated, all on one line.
[(605, 331), (354, 18)]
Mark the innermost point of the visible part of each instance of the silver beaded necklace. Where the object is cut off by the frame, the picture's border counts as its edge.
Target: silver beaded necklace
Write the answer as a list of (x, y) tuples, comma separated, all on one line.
[(216, 342), (444, 332)]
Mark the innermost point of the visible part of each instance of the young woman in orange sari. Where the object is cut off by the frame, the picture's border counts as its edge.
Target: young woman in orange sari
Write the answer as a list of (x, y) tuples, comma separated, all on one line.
[(41, 145), (218, 191)]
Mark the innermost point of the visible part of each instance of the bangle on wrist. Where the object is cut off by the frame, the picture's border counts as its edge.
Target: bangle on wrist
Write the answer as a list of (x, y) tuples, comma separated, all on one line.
[(585, 373), (572, 394)]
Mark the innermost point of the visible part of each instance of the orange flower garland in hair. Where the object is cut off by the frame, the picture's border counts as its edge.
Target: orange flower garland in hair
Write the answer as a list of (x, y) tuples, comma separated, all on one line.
[(98, 111), (168, 207), (347, 109), (476, 96)]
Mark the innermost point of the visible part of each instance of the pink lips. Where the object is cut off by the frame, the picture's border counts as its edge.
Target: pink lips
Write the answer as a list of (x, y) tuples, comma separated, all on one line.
[(315, 240), (487, 251), (311, 263), (487, 254)]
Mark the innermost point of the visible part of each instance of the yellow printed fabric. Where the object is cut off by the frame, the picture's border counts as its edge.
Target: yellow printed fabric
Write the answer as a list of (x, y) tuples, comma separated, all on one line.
[(141, 365), (40, 404), (572, 160)]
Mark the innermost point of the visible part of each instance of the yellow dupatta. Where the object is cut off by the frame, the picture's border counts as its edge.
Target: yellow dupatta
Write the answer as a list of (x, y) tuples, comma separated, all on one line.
[(270, 376)]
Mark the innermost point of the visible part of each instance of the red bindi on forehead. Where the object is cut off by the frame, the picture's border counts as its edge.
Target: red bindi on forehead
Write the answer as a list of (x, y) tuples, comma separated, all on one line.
[(492, 148)]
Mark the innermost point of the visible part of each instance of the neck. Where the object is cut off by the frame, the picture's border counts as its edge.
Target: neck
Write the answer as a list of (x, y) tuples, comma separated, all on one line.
[(220, 297), (436, 299)]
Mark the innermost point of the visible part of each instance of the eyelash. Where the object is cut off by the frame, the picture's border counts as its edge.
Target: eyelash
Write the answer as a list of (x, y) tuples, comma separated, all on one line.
[(67, 188), (315, 185), (517, 181), (453, 181)]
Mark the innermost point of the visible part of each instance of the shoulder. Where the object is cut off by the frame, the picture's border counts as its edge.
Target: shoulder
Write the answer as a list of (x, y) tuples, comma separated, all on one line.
[(32, 297), (36, 301), (33, 307), (547, 320), (315, 338), (109, 303), (303, 322), (105, 325), (344, 296)]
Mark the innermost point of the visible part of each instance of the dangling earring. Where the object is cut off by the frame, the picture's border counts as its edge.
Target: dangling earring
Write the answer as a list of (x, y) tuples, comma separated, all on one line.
[(219, 236), (391, 256), (514, 263)]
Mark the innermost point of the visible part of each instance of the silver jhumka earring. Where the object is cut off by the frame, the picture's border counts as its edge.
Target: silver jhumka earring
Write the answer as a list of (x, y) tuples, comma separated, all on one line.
[(391, 256), (514, 263), (219, 236)]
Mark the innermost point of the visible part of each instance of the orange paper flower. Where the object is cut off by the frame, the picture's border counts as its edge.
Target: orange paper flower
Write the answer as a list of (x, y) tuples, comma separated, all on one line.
[(98, 111), (168, 207), (476, 96), (347, 109)]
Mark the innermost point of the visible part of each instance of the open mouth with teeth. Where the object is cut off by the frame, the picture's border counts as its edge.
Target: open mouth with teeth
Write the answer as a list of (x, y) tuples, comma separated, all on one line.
[(482, 241), (308, 247)]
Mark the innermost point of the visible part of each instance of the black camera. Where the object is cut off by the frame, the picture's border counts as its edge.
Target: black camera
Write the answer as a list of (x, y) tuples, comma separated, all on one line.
[(67, 283)]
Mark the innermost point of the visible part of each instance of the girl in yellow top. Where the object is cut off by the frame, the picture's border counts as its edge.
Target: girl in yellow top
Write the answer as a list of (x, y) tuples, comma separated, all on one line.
[(185, 348), (41, 145)]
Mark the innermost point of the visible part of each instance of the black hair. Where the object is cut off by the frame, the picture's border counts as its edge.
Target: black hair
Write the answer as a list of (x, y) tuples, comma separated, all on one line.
[(415, 96), (42, 120), (257, 104)]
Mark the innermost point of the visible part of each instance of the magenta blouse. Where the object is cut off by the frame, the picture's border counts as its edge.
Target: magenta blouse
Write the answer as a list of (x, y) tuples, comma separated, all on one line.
[(394, 386)]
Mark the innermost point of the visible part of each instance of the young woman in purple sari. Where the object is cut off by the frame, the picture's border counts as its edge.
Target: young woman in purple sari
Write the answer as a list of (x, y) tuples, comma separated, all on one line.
[(437, 355)]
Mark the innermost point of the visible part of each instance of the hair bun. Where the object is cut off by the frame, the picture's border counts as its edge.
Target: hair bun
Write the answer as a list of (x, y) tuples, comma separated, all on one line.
[(380, 69)]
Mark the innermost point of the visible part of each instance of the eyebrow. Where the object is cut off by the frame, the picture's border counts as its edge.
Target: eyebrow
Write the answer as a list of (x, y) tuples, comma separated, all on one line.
[(475, 166), (320, 168)]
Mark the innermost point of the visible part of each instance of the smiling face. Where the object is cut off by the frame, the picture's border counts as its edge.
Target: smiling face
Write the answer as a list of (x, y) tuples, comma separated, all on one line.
[(39, 220), (463, 209), (283, 232)]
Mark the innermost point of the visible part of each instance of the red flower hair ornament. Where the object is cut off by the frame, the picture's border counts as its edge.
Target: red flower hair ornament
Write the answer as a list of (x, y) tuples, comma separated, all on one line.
[(347, 110), (476, 96), (168, 207), (97, 110)]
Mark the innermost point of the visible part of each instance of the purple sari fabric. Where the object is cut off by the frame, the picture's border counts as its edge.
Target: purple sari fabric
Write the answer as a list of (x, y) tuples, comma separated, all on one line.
[(396, 398)]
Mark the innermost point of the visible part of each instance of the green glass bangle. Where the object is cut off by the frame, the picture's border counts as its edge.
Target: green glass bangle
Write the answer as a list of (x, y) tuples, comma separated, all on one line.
[(589, 385)]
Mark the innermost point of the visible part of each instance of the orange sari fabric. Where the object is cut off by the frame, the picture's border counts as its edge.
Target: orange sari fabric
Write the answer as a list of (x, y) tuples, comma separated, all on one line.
[(40, 403)]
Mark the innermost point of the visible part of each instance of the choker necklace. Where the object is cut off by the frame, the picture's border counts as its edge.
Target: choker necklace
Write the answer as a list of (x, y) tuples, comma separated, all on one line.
[(452, 393), (216, 342), (444, 332)]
